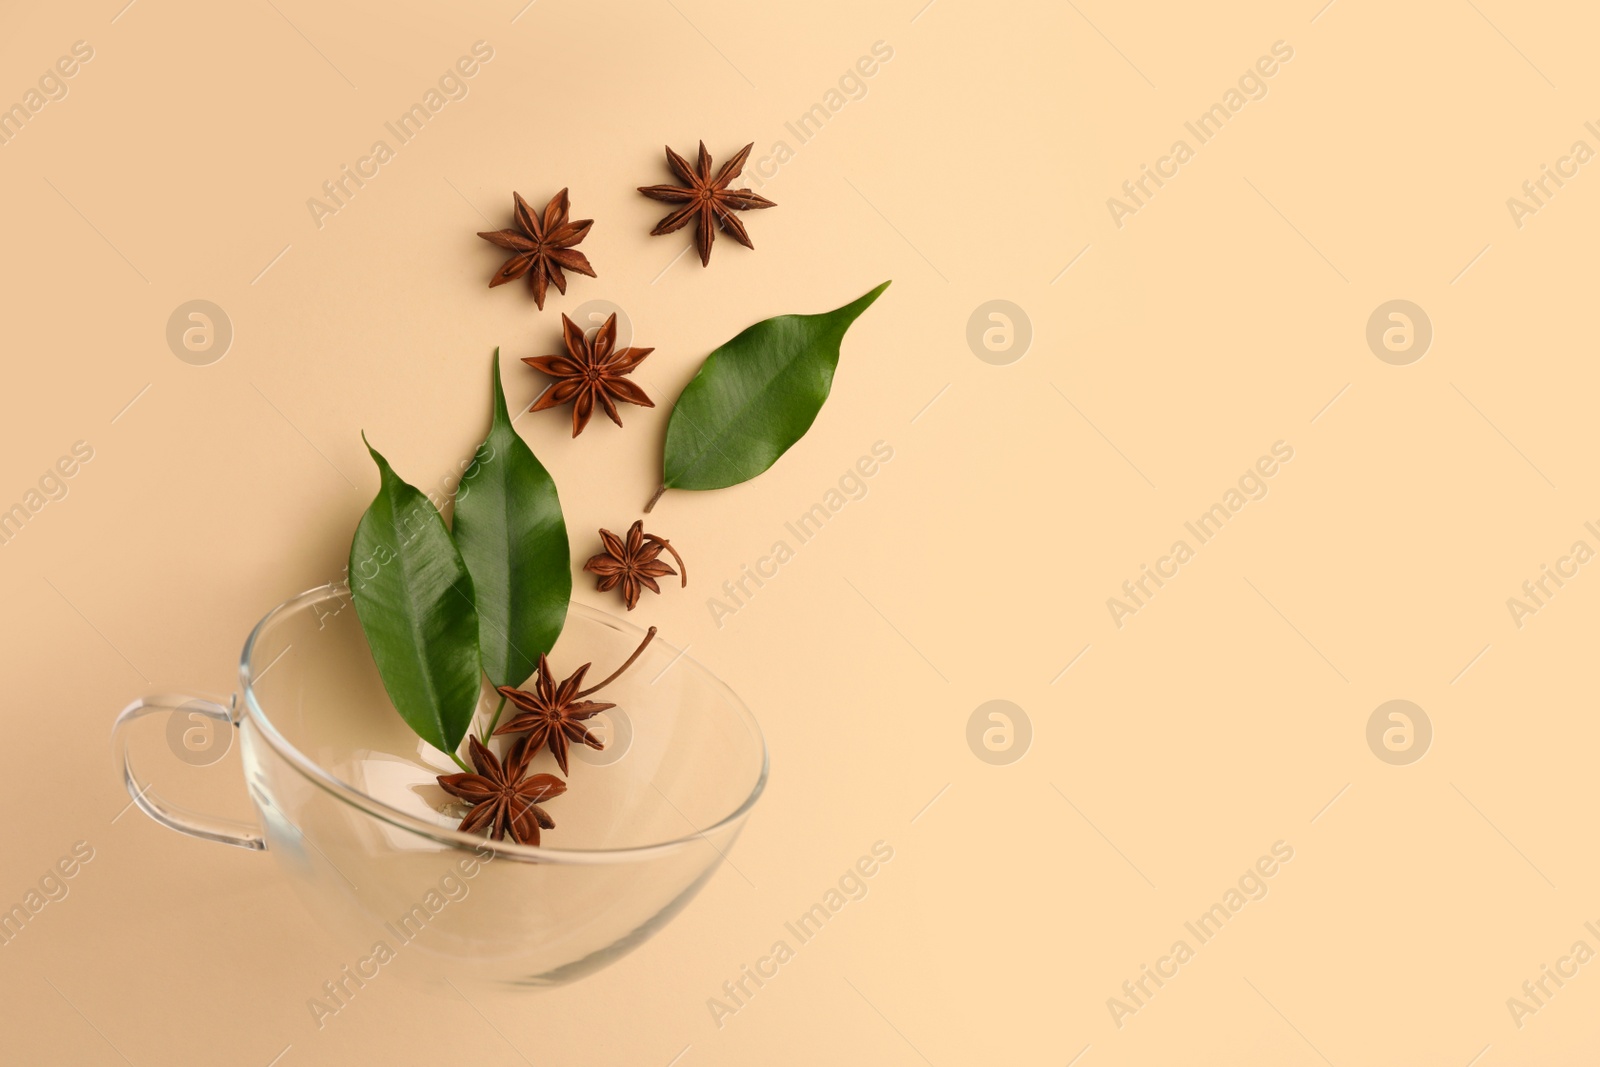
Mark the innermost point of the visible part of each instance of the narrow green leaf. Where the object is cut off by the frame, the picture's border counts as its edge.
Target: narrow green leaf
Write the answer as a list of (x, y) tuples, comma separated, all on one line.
[(415, 601), (755, 397), (509, 528)]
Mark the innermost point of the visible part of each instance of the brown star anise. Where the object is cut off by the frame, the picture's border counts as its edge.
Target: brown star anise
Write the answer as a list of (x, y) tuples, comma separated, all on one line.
[(633, 563), (502, 799), (542, 246), (591, 371), (706, 199), (553, 715)]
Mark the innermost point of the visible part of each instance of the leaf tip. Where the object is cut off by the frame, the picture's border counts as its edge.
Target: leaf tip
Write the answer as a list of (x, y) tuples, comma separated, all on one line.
[(498, 412), (861, 303)]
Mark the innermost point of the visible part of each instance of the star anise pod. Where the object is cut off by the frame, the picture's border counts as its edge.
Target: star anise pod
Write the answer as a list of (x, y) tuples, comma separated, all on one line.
[(542, 246), (591, 371), (633, 563), (554, 715), (706, 199), (502, 800)]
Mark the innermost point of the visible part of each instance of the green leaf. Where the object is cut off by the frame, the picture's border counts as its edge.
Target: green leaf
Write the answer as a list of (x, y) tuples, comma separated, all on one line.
[(509, 528), (755, 397), (415, 601)]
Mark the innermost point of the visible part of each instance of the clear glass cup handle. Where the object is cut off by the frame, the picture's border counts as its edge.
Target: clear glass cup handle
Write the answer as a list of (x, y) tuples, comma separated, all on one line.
[(193, 823)]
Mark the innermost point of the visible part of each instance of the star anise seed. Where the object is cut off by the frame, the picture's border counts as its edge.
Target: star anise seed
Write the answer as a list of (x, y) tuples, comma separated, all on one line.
[(542, 246), (706, 199), (633, 563), (554, 715), (591, 371), (502, 799)]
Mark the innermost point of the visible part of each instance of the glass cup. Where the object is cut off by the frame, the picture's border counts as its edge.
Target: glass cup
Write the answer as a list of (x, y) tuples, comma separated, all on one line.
[(347, 801)]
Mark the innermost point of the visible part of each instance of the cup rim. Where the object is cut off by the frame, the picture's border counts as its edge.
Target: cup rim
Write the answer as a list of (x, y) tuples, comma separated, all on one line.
[(349, 794)]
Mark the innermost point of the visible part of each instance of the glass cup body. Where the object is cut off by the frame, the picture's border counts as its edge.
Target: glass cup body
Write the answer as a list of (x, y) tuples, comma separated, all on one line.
[(348, 803)]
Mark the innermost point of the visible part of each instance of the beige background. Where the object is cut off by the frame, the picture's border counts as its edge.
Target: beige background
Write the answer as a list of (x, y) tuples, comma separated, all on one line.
[(1227, 314)]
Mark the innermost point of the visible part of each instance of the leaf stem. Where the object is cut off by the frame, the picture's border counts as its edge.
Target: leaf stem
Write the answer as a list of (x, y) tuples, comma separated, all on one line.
[(461, 764), (648, 637), (495, 721), (653, 499)]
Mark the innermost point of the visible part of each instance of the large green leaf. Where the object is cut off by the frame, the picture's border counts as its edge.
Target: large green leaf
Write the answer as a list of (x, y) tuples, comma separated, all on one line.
[(415, 601), (754, 397), (509, 529)]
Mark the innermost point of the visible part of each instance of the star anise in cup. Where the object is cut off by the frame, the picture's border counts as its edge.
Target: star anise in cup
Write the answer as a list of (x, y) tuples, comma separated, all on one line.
[(706, 200), (554, 715), (632, 563), (592, 370), (542, 246), (502, 800)]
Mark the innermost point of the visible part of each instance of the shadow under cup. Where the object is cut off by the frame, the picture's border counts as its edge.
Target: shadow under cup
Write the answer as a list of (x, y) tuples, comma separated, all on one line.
[(349, 804)]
